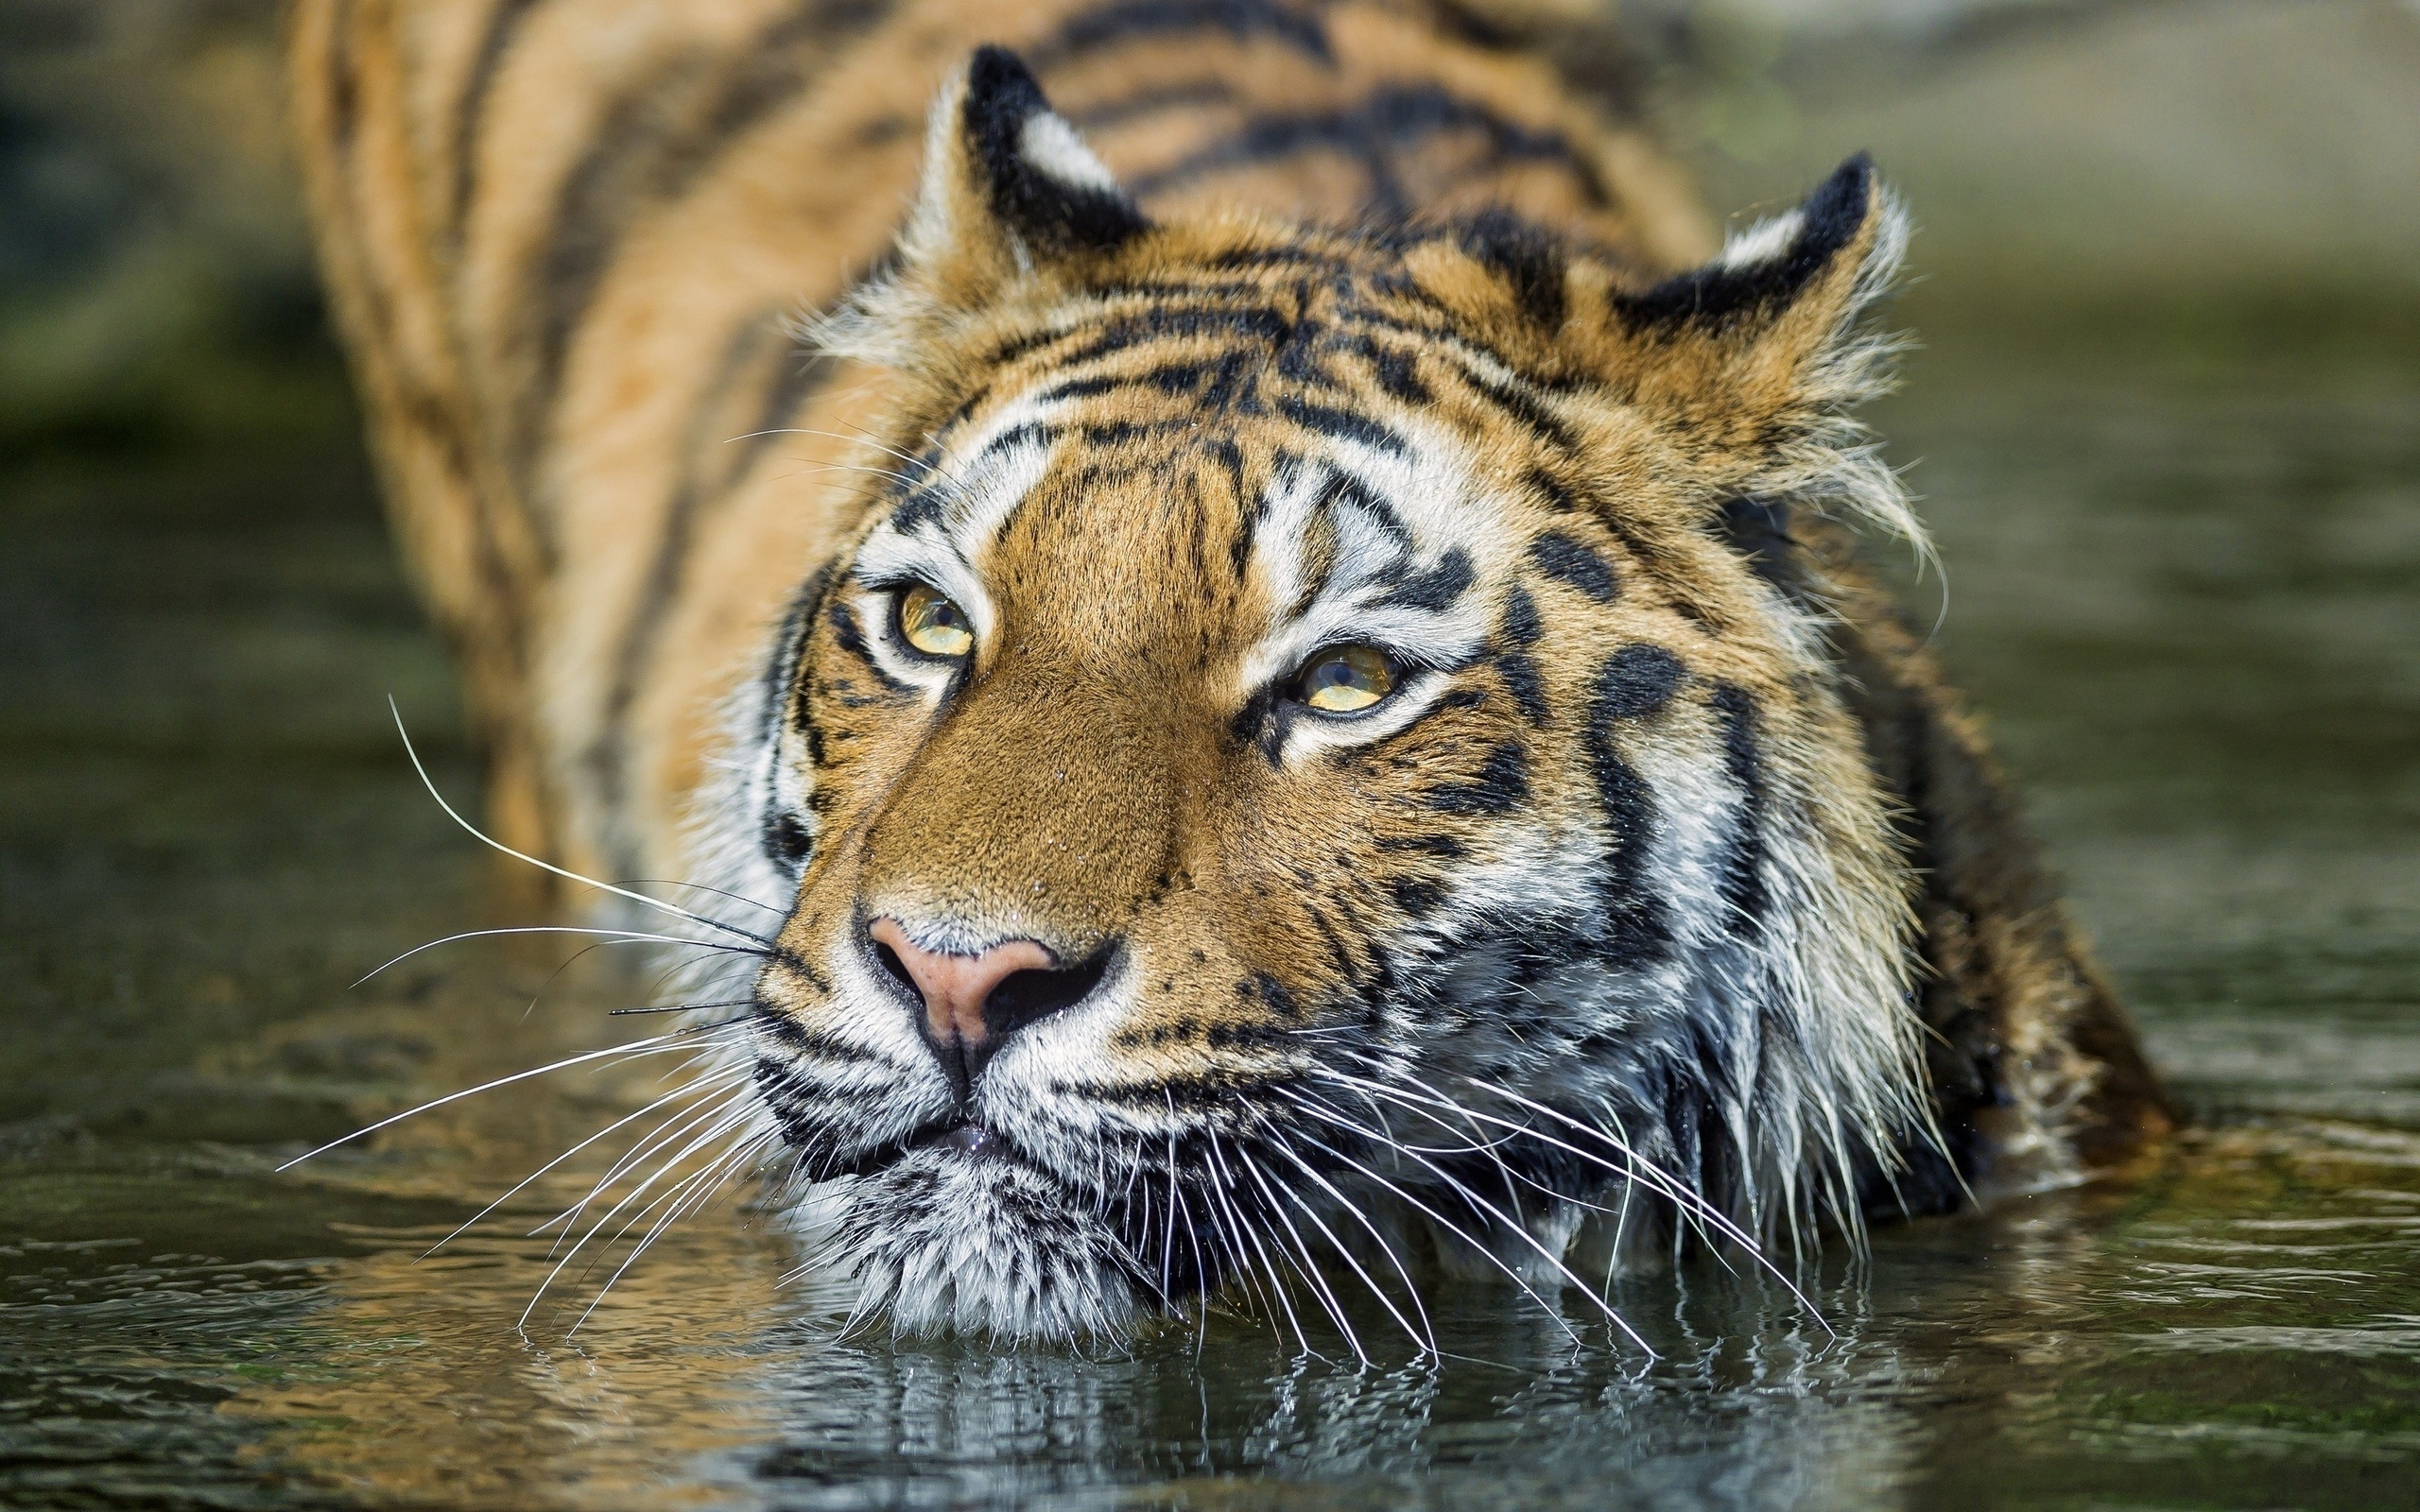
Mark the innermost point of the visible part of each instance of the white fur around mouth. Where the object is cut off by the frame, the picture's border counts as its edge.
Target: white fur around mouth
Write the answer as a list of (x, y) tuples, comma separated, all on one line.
[(951, 1240)]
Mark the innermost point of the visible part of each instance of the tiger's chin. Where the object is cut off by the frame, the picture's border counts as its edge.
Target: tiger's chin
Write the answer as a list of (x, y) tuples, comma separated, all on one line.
[(958, 1236)]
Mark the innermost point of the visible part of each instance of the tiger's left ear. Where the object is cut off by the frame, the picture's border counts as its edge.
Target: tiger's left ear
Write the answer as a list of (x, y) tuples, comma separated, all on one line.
[(1009, 187), (1769, 328)]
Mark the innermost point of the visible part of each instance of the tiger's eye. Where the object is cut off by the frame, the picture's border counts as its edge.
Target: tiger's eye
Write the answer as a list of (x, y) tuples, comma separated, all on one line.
[(1346, 679), (932, 624)]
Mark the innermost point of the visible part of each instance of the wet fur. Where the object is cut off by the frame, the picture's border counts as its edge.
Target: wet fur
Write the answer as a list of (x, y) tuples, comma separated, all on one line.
[(1673, 895)]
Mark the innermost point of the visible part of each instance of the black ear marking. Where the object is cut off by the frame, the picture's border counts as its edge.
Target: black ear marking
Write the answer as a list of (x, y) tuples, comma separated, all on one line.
[(1041, 183), (1736, 285), (1525, 255)]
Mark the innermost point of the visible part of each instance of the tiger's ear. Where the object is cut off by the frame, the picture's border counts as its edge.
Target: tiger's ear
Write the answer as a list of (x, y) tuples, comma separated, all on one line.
[(1009, 187), (1769, 328)]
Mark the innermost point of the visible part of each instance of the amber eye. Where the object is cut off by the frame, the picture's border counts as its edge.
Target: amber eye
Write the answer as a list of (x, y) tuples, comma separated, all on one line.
[(1345, 680), (932, 624)]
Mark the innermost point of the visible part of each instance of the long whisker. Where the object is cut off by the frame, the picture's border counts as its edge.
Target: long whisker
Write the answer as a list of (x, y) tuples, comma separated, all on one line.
[(610, 936), (811, 469), (1427, 1334), (635, 1193), (869, 439), (699, 886), (1310, 1266), (1711, 1215), (1520, 1231), (1693, 1208), (659, 1044), (1219, 1189), (494, 844), (699, 1186), (1451, 1227), (670, 1202), (683, 1008), (656, 1140), (519, 1186)]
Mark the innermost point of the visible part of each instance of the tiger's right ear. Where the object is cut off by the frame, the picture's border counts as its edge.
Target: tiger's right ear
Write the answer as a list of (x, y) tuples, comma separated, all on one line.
[(1009, 189)]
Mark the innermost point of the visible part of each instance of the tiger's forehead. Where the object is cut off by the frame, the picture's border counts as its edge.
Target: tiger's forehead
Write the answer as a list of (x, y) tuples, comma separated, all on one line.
[(1130, 512)]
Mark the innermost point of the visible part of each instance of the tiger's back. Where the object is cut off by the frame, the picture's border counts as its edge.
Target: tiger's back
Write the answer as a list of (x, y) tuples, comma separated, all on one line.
[(570, 244)]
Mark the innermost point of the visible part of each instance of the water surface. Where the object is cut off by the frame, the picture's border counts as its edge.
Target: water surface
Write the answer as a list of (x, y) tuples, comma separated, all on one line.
[(2190, 594)]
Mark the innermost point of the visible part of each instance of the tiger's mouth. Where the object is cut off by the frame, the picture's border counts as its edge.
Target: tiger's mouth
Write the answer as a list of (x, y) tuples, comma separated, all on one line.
[(955, 1139), (951, 1229), (958, 1139)]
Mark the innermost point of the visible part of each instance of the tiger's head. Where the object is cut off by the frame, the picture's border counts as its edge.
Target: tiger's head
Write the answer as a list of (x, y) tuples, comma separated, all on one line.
[(1314, 767)]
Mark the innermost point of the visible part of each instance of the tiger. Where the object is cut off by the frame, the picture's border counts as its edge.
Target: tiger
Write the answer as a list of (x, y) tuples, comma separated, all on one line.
[(1270, 657)]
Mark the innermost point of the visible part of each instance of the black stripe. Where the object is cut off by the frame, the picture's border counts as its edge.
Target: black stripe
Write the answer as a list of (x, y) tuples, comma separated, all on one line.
[(1516, 400), (1418, 897), (930, 499), (1371, 132), (1559, 498), (1150, 101), (1743, 867), (1530, 260), (1343, 424), (923, 506), (788, 844), (1262, 324), (647, 152), (1636, 679), (603, 191), (774, 690), (851, 639), (1127, 20), (1435, 845), (1520, 676), (1351, 493), (1521, 623), (470, 107), (1436, 589), (1570, 561), (1502, 784), (1397, 373), (1311, 258), (423, 412), (344, 85)]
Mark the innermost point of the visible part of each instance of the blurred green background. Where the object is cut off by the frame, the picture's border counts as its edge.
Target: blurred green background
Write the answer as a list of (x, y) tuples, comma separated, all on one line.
[(156, 289)]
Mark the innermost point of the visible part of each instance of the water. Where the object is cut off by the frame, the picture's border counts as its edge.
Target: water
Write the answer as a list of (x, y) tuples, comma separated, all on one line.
[(2188, 593)]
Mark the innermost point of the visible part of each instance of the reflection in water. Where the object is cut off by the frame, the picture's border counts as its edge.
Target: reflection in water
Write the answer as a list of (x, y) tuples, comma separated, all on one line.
[(2194, 607), (2012, 1343)]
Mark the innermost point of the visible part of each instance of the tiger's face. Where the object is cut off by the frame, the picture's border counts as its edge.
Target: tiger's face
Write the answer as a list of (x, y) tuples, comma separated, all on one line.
[(1315, 764)]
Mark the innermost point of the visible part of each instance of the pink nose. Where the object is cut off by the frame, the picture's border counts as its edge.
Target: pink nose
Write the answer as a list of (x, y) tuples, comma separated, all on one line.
[(954, 986)]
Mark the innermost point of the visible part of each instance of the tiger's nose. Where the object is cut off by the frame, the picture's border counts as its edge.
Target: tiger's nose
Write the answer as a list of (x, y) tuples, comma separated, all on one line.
[(974, 1002)]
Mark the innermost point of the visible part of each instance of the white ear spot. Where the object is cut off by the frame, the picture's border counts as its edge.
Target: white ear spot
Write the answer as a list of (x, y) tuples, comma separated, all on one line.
[(1762, 242), (1051, 147)]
